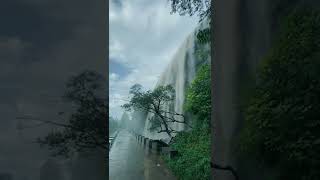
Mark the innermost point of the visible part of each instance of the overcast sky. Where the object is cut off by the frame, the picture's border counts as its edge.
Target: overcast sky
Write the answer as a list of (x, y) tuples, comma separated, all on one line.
[(143, 37)]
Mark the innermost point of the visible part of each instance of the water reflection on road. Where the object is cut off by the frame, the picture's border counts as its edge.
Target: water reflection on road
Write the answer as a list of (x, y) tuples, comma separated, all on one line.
[(129, 160)]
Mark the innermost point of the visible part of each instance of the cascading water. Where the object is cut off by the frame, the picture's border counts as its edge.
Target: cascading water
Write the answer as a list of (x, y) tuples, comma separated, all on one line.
[(179, 74)]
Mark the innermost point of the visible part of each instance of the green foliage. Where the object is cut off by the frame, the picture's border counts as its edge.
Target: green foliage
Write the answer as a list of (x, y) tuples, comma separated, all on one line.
[(202, 54), (202, 8), (155, 102), (202, 47), (198, 96), (193, 162), (149, 100), (282, 118), (191, 7), (86, 128), (155, 123), (204, 36)]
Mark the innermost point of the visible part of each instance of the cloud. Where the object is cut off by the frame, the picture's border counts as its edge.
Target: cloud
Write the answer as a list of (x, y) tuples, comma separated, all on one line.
[(144, 36), (116, 52), (113, 77)]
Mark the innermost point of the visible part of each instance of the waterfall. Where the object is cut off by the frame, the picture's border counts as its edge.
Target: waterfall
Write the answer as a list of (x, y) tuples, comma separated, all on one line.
[(179, 74)]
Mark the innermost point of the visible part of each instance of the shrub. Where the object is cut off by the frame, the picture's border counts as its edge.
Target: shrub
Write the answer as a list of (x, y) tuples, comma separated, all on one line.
[(193, 161), (282, 119), (198, 96)]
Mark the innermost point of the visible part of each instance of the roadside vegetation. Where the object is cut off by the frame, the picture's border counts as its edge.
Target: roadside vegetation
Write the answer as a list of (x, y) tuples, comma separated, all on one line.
[(282, 124), (194, 154)]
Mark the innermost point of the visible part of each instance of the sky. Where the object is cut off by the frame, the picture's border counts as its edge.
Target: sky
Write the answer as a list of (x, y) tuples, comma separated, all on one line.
[(143, 37), (42, 43)]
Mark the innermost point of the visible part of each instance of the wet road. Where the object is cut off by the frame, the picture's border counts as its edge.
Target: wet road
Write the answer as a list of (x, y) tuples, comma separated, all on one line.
[(129, 160)]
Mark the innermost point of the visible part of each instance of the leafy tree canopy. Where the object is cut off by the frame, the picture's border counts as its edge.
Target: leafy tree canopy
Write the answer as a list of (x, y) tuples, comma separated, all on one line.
[(193, 146), (282, 119), (201, 8), (86, 128), (191, 7), (156, 102), (198, 97)]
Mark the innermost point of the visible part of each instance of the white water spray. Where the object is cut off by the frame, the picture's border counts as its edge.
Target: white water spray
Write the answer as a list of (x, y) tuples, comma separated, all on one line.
[(180, 73)]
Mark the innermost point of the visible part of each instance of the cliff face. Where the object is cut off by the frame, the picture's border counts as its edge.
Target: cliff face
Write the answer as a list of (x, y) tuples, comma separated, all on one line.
[(179, 73), (244, 32)]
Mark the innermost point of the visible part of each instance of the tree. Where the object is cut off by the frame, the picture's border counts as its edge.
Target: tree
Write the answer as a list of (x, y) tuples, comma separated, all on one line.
[(193, 146), (282, 117), (156, 102), (86, 128), (191, 7), (202, 8)]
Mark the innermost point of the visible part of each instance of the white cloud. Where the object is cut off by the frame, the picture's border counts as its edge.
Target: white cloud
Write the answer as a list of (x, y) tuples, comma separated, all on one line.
[(113, 77), (116, 51), (143, 36)]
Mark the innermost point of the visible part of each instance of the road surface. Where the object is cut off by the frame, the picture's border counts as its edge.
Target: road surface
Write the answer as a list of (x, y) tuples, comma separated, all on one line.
[(129, 160)]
